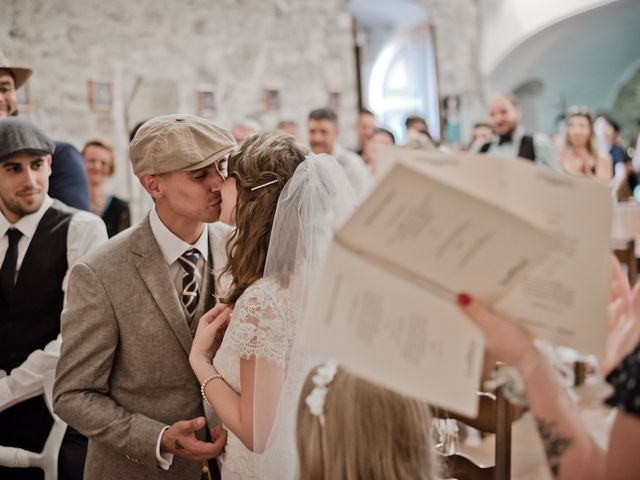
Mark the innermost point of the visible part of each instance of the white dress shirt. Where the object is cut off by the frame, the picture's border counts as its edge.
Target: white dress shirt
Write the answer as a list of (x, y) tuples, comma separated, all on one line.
[(357, 172), (544, 151), (172, 247), (86, 230)]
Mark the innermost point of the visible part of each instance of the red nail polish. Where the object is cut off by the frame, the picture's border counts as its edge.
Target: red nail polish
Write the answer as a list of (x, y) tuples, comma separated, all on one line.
[(464, 299)]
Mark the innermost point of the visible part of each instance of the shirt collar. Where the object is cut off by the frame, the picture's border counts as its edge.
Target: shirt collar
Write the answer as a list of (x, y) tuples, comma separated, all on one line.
[(171, 245), (27, 224), (516, 136)]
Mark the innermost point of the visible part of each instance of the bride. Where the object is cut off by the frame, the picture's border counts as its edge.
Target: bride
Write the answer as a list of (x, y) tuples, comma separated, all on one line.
[(285, 204)]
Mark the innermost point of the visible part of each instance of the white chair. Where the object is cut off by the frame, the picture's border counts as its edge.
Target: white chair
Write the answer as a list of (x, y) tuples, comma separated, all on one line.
[(47, 460)]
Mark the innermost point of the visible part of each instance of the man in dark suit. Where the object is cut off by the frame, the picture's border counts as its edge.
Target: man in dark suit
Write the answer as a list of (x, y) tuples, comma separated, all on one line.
[(40, 238)]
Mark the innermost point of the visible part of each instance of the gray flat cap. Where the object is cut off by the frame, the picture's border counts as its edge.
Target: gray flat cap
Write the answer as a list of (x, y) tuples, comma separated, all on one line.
[(18, 135), (178, 142)]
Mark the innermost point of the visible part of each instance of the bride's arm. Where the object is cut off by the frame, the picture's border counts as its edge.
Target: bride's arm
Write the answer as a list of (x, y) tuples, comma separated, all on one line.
[(237, 411), (248, 419)]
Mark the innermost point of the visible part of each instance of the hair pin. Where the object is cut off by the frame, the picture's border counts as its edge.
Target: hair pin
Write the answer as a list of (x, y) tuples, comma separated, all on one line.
[(263, 185), (323, 377)]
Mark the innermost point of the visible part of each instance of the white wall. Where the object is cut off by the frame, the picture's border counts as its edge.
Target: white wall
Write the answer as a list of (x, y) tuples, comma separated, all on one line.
[(578, 60), (507, 23)]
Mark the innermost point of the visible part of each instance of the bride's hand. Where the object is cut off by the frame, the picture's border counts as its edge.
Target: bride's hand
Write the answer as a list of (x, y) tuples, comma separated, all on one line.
[(210, 332)]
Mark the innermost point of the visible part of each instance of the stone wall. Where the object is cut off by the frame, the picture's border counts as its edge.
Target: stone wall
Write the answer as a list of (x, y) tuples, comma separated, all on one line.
[(457, 28), (157, 53)]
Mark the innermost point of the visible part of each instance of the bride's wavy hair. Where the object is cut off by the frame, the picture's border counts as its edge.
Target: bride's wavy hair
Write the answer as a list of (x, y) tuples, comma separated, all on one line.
[(264, 157)]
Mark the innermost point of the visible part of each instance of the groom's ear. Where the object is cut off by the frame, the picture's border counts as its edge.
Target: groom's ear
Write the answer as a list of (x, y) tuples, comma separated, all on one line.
[(151, 184)]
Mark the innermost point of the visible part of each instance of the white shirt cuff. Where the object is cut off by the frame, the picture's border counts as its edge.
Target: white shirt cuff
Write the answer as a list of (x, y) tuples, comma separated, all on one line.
[(164, 459), (5, 392)]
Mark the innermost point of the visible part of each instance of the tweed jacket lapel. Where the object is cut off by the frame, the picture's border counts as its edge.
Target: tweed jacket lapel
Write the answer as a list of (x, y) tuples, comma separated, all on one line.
[(155, 274)]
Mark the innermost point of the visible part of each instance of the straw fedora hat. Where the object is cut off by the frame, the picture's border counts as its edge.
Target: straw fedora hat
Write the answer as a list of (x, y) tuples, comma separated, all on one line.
[(20, 74)]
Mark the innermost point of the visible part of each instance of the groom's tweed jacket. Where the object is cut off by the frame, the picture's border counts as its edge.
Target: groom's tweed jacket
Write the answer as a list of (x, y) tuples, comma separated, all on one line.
[(124, 372)]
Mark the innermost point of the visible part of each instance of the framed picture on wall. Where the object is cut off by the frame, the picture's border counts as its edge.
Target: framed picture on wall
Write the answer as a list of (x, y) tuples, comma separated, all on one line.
[(333, 100), (100, 95), (271, 100), (206, 101), (23, 97)]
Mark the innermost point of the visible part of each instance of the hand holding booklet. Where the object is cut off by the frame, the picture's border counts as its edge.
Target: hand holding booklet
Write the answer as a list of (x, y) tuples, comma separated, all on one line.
[(436, 225)]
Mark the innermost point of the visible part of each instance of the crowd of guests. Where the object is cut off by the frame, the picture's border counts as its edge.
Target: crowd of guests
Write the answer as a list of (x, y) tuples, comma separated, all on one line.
[(188, 319)]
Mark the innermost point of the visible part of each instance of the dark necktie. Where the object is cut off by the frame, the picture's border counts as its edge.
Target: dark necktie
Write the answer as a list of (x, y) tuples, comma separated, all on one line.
[(190, 292), (8, 269), (506, 138)]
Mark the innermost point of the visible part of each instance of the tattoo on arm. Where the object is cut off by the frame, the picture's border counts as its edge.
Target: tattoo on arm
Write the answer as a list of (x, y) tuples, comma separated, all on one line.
[(555, 444), (179, 445)]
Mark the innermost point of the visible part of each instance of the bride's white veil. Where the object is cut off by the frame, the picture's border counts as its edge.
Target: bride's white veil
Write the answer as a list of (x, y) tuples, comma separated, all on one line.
[(313, 203)]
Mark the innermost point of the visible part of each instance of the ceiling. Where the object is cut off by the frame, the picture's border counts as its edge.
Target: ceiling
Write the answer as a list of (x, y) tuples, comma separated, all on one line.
[(585, 59)]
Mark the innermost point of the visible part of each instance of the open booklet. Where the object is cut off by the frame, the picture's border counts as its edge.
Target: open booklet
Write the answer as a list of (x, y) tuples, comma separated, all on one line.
[(439, 224)]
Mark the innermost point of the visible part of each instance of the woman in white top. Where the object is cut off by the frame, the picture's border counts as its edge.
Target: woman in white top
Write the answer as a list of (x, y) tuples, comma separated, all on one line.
[(285, 204)]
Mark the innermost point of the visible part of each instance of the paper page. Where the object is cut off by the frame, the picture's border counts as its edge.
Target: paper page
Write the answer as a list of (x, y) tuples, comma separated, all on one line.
[(564, 299), (443, 235), (480, 176), (394, 333)]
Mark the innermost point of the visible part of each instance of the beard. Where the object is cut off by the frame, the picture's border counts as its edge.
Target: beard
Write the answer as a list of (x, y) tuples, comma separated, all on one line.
[(20, 209)]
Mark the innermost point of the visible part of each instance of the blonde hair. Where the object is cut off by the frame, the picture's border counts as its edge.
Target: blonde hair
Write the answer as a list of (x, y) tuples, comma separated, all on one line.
[(104, 146), (264, 157), (592, 146), (369, 432)]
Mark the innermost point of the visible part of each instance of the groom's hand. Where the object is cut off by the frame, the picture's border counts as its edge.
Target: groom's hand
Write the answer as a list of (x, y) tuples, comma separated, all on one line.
[(180, 439)]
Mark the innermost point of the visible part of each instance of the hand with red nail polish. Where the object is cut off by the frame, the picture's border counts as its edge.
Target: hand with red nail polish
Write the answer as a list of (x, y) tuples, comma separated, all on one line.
[(506, 340)]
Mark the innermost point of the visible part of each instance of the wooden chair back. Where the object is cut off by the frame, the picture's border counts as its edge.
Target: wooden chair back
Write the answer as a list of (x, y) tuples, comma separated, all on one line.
[(625, 251), (495, 415)]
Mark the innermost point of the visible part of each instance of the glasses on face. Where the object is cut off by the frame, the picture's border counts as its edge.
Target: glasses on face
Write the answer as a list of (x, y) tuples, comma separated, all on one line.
[(221, 168)]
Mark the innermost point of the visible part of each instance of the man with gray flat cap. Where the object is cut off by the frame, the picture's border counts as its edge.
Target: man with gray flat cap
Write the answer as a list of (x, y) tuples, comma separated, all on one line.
[(124, 378), (40, 238), (68, 180)]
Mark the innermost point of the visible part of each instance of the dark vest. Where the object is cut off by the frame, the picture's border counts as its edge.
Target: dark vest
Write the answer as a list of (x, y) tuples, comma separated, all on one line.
[(526, 149), (30, 318)]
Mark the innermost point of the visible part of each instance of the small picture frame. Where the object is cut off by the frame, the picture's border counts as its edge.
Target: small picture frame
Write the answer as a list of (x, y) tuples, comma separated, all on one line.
[(271, 100), (100, 95), (23, 97), (333, 100), (206, 96)]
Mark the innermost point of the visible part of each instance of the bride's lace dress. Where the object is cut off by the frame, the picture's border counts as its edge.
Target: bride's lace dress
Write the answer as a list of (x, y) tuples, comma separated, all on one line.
[(262, 326)]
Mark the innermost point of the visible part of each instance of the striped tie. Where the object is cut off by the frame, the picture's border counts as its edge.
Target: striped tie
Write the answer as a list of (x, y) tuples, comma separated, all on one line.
[(190, 293)]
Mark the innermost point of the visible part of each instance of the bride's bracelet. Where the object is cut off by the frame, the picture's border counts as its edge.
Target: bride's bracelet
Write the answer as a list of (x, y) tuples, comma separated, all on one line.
[(204, 384)]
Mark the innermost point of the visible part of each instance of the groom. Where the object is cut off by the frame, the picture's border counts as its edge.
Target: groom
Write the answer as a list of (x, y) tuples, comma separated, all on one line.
[(123, 378)]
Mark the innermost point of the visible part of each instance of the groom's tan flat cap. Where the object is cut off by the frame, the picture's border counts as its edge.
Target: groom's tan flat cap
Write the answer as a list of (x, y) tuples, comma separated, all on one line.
[(178, 142)]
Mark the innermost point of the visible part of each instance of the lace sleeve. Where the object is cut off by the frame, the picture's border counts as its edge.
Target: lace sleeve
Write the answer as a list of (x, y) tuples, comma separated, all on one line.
[(259, 327)]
